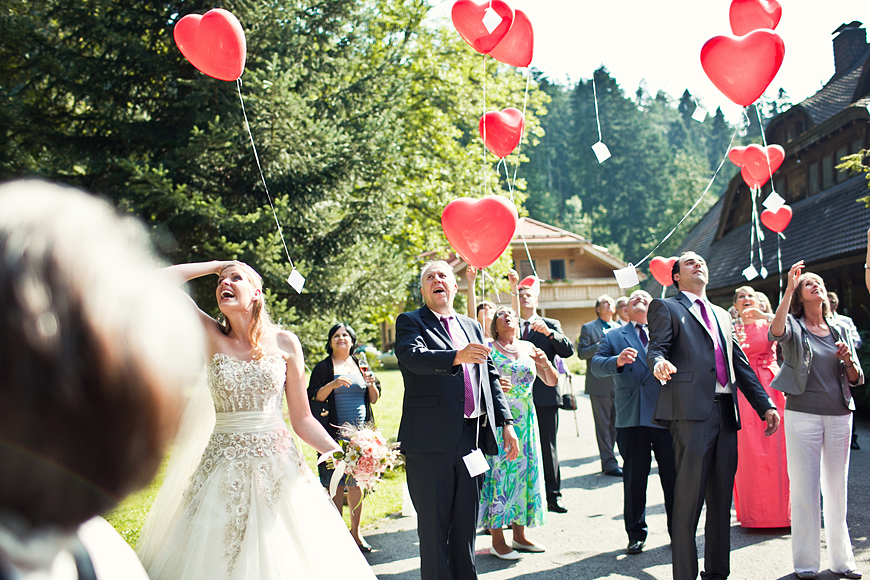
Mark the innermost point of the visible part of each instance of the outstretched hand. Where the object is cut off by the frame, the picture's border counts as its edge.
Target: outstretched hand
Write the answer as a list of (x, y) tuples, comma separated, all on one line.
[(663, 371)]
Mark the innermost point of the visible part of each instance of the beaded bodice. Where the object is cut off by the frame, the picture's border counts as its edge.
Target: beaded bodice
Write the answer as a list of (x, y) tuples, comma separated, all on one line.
[(238, 385)]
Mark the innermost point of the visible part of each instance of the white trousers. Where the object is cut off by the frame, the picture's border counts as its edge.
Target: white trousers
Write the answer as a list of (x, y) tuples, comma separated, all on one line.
[(817, 447)]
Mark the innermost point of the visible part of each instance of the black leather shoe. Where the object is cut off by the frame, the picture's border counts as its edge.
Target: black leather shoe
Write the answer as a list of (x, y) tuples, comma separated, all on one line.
[(556, 506), (635, 547), (616, 472), (854, 444)]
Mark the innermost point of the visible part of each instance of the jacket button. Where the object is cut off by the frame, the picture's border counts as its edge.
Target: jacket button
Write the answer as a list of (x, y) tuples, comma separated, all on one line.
[(713, 370)]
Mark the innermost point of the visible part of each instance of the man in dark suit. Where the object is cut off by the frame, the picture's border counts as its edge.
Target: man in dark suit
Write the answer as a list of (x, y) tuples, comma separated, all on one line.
[(600, 389), (453, 402), (546, 334), (622, 355), (697, 359)]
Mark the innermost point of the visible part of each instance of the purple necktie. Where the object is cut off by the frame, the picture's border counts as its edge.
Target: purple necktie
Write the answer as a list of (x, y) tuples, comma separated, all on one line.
[(721, 374), (466, 373), (642, 334), (526, 331)]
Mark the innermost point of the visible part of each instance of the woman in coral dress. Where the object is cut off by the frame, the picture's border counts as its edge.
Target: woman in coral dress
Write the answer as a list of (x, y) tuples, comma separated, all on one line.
[(761, 488)]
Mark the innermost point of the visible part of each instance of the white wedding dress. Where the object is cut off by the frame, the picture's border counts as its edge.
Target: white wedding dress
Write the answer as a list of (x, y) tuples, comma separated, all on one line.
[(252, 509)]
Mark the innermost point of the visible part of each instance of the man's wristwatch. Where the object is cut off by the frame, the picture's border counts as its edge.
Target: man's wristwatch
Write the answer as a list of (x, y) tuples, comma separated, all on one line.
[(506, 423)]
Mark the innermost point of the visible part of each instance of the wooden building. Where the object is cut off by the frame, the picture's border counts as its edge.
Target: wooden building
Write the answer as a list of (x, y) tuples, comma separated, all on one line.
[(828, 227)]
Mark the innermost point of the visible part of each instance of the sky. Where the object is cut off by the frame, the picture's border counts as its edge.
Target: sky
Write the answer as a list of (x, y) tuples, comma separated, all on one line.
[(660, 41)]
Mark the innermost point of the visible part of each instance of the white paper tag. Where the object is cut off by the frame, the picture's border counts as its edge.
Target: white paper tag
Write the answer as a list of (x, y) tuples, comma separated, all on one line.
[(773, 202), (476, 463), (296, 280), (626, 277), (491, 20), (750, 273), (602, 153), (700, 114), (763, 272)]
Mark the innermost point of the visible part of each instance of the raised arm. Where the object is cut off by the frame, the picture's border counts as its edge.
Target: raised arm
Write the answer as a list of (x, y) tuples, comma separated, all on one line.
[(182, 273), (304, 424), (777, 327), (866, 263), (514, 279), (471, 298)]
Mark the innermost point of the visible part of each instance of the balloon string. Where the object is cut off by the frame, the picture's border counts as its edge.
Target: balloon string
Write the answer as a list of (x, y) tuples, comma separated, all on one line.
[(779, 265), (597, 119), (260, 168), (706, 189), (753, 227), (483, 163), (520, 146), (766, 152)]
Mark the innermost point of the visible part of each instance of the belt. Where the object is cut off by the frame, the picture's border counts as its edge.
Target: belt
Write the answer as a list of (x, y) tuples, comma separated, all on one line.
[(723, 398), (471, 422)]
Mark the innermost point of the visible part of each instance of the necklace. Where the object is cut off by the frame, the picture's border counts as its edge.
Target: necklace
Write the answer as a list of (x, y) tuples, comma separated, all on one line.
[(513, 350)]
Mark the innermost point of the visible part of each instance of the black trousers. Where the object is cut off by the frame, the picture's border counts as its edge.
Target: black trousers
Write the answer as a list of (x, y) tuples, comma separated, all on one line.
[(636, 445), (706, 458), (446, 499), (548, 426)]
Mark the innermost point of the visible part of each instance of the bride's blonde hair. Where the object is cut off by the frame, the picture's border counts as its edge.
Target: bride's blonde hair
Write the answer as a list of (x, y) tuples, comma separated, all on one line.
[(260, 313)]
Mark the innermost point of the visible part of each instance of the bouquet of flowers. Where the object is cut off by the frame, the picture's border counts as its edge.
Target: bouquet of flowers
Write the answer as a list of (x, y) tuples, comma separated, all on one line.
[(365, 455)]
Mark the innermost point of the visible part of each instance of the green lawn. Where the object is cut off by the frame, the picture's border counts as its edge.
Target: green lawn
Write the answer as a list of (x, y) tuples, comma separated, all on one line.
[(129, 516)]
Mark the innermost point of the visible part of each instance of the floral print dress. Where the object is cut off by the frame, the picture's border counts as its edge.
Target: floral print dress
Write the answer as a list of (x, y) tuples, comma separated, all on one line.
[(513, 491)]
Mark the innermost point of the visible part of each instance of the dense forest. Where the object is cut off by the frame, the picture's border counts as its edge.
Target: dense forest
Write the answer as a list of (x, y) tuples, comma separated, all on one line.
[(365, 119)]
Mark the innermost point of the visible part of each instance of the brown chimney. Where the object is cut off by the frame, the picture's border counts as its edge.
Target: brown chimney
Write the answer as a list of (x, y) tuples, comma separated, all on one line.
[(849, 44)]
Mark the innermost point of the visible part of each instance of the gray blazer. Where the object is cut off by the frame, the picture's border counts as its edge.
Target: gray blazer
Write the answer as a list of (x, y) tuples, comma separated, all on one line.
[(590, 337), (798, 359), (637, 390)]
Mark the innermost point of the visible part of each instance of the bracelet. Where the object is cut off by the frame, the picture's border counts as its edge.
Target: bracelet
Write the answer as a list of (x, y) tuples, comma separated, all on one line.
[(515, 293)]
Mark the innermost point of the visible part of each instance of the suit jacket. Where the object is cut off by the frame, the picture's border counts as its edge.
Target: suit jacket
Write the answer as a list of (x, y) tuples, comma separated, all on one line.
[(636, 389), (557, 344), (677, 334), (434, 403), (591, 335)]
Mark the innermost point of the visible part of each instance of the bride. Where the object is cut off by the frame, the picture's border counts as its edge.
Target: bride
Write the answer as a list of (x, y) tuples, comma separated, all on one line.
[(238, 500)]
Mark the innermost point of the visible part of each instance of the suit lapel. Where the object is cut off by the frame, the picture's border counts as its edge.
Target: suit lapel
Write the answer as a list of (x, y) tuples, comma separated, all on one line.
[(434, 323), (629, 332)]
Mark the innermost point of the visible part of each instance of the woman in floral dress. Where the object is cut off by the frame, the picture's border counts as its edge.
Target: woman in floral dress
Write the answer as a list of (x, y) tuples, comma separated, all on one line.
[(513, 491)]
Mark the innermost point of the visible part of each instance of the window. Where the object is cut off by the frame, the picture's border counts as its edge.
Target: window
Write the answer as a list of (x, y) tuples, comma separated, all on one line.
[(814, 178), (526, 268), (857, 146), (557, 269), (827, 171), (780, 186), (842, 175)]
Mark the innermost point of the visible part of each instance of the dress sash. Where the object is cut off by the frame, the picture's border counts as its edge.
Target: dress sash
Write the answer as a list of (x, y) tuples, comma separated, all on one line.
[(249, 421)]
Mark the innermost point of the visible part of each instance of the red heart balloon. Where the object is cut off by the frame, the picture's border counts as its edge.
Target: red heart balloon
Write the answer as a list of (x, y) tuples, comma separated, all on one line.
[(736, 156), (749, 15), (743, 67), (214, 43), (501, 131), (752, 182), (776, 221), (517, 46), (480, 229), (468, 18), (762, 162), (661, 269)]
